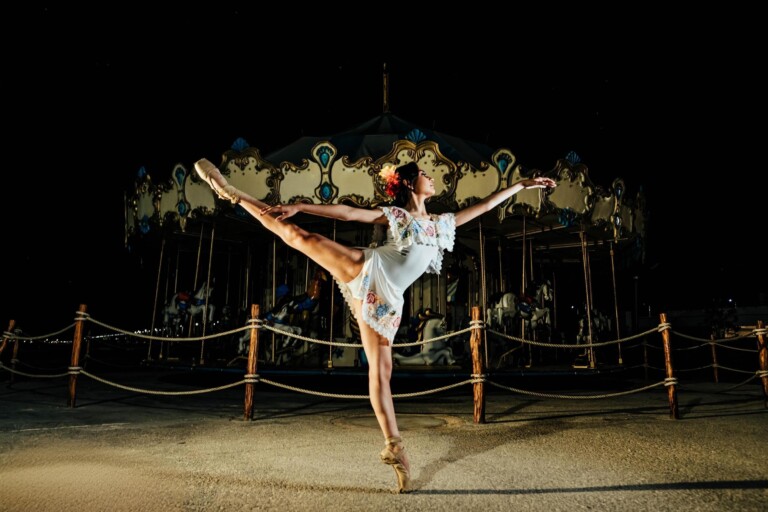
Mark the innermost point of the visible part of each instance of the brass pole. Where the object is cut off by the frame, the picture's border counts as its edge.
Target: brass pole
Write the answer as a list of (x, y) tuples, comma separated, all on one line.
[(207, 295), (157, 293), (616, 305), (197, 273), (482, 285)]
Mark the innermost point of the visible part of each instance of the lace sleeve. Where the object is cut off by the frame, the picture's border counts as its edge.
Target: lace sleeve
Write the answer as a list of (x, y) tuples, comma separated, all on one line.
[(399, 222), (446, 231)]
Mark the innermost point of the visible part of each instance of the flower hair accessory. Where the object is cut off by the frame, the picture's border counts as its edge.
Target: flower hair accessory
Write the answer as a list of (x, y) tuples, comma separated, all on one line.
[(391, 179)]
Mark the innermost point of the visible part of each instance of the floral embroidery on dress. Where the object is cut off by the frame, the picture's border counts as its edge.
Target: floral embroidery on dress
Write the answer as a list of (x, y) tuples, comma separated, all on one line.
[(384, 317), (405, 230)]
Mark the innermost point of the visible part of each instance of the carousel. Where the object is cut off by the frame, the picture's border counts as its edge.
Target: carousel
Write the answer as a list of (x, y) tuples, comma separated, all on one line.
[(549, 265)]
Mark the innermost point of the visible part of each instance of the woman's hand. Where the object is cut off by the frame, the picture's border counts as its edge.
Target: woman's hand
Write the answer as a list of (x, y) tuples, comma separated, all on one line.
[(539, 182), (281, 211)]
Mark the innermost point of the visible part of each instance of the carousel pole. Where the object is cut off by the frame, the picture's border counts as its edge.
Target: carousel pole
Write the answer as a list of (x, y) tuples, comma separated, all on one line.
[(207, 295), (588, 293), (501, 268), (482, 286), (616, 304), (274, 289), (168, 293), (157, 293), (330, 322), (197, 272), (523, 280)]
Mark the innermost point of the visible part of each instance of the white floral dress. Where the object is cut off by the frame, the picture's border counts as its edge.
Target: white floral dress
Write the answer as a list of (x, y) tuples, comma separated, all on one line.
[(412, 247)]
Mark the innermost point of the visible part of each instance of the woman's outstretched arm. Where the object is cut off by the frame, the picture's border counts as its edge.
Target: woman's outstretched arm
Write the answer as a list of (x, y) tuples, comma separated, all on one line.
[(495, 199), (331, 211)]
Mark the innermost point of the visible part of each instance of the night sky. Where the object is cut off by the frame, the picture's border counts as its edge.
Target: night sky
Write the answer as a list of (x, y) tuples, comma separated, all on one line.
[(90, 97)]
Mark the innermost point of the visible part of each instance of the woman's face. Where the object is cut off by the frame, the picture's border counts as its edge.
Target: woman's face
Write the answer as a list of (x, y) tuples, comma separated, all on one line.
[(424, 184)]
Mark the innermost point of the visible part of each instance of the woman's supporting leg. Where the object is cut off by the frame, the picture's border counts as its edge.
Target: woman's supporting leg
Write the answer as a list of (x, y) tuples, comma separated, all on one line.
[(378, 351), (341, 261)]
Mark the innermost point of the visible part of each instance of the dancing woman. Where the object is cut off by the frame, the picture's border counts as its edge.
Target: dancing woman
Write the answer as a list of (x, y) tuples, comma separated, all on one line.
[(373, 280)]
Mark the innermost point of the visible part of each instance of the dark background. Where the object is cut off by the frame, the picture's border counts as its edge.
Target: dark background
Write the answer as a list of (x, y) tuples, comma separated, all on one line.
[(91, 95)]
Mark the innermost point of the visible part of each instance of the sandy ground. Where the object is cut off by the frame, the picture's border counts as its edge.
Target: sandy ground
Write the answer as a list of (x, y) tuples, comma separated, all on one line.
[(120, 450)]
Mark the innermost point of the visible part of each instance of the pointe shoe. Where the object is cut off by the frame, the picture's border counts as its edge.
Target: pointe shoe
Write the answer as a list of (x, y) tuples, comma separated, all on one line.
[(388, 456), (210, 174)]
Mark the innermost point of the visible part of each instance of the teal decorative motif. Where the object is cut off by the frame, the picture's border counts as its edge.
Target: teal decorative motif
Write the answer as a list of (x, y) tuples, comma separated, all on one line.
[(326, 191), (573, 158), (240, 144), (182, 208), (504, 161), (179, 175), (566, 217), (325, 154), (142, 172), (416, 136), (144, 224)]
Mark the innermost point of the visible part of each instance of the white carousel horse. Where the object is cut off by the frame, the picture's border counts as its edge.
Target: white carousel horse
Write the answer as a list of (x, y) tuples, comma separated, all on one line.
[(535, 311), (503, 311), (185, 306), (432, 353)]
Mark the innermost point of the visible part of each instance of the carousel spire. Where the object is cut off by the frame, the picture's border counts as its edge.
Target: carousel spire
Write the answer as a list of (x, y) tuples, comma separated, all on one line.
[(386, 89)]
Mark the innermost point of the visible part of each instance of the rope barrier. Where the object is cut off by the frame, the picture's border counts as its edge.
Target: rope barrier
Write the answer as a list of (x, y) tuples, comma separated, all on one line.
[(41, 337), (574, 397), (154, 392), (365, 397), (254, 378), (165, 338), (25, 374), (358, 345)]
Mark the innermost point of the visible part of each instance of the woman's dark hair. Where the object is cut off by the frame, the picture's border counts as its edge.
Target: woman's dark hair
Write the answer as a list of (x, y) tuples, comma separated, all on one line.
[(410, 172)]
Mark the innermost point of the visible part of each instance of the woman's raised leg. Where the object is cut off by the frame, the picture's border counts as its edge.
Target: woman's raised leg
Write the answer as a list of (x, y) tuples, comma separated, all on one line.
[(341, 261)]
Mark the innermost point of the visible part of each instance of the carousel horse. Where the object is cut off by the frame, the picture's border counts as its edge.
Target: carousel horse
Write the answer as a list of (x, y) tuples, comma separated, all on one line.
[(186, 306), (601, 326), (295, 315), (536, 312), (532, 309), (431, 325), (503, 311)]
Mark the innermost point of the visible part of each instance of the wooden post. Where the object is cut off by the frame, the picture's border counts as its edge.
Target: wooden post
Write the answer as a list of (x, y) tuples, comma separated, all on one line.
[(11, 325), (714, 357), (75, 360), (645, 358), (250, 370), (14, 358), (763, 355), (671, 389), (477, 367)]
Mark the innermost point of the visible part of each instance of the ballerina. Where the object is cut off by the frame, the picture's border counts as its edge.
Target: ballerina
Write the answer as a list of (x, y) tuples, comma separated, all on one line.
[(374, 279)]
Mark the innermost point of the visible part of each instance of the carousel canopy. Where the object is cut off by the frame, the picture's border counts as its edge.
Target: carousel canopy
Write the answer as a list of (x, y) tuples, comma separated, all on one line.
[(375, 138)]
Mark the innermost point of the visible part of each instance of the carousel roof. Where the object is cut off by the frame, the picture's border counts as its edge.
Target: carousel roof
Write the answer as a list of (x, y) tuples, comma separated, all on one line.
[(375, 137)]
